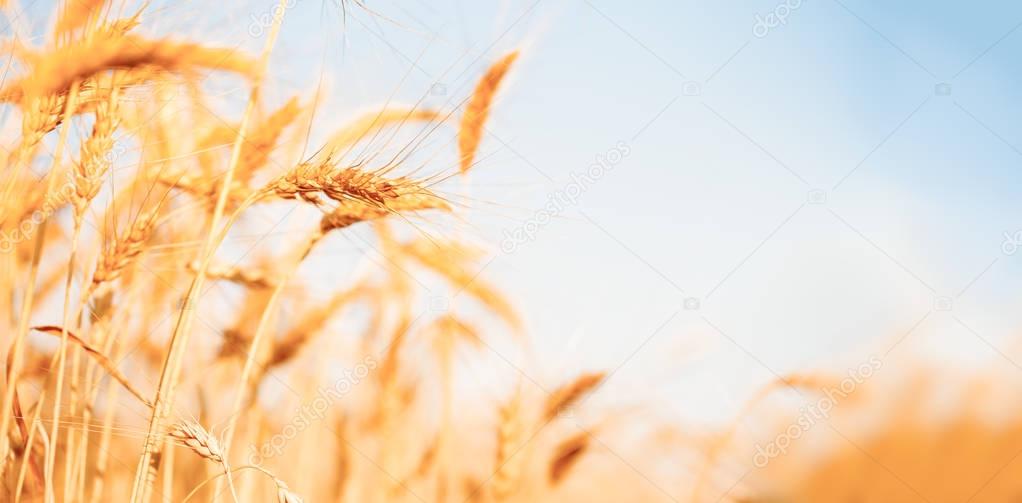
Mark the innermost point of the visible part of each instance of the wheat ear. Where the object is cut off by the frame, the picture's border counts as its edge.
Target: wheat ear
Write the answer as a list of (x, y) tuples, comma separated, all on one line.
[(570, 394), (205, 445), (478, 110)]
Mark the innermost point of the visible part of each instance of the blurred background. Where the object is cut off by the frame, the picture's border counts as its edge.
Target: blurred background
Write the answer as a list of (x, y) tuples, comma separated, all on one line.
[(778, 186)]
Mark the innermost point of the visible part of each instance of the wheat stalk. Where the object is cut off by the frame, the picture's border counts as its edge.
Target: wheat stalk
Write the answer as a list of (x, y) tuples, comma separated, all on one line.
[(148, 463)]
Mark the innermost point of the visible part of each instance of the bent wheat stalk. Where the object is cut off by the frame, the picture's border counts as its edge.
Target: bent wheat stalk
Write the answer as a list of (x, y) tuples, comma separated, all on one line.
[(284, 495), (201, 442)]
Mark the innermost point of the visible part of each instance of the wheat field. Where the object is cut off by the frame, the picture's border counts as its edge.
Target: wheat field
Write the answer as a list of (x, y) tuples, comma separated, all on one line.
[(124, 198)]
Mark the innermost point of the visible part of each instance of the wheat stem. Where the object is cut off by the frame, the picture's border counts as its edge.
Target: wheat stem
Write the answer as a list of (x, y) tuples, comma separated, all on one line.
[(147, 464)]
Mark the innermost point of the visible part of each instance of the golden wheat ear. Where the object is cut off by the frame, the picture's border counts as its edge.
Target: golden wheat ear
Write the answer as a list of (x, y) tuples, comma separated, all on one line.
[(571, 394), (196, 438), (124, 252), (478, 110), (567, 455)]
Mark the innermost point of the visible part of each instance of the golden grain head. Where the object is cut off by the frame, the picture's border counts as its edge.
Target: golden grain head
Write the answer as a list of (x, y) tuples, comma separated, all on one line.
[(473, 122), (196, 438), (571, 394)]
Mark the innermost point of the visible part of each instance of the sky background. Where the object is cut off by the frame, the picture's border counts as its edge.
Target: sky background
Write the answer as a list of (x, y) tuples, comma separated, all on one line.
[(831, 188), (802, 196)]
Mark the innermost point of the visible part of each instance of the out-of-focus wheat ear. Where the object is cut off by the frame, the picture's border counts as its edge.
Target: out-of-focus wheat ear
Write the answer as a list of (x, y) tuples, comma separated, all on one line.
[(566, 455), (510, 430), (478, 109), (310, 324), (570, 394), (125, 251), (369, 124), (255, 152), (54, 72), (444, 259), (256, 279), (76, 14)]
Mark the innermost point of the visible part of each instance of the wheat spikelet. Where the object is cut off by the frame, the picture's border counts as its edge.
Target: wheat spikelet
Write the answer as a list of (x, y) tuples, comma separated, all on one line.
[(115, 258), (568, 395), (566, 455), (478, 109), (196, 438)]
